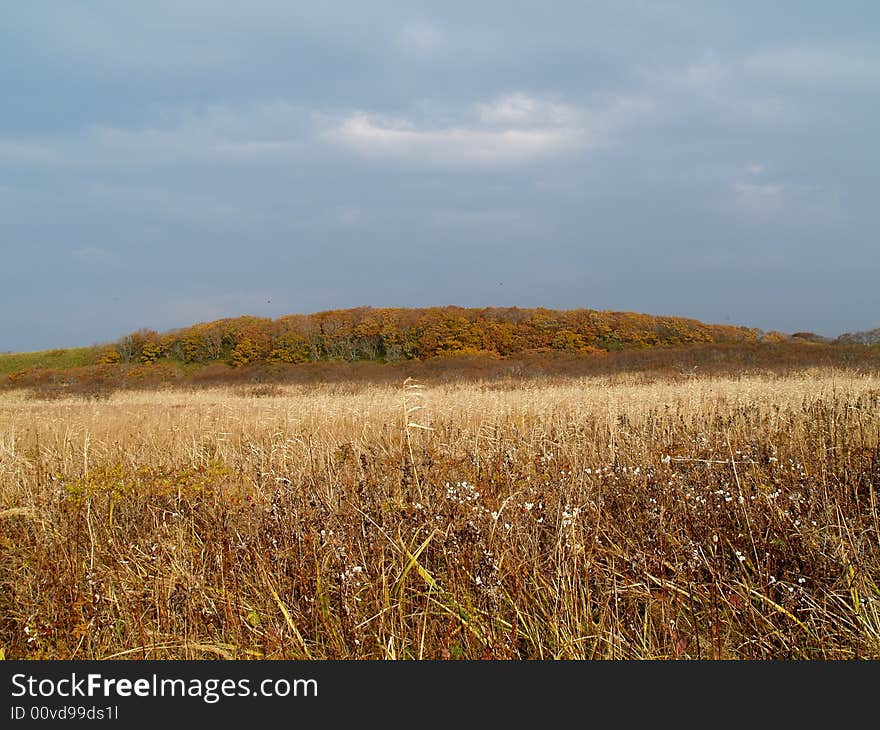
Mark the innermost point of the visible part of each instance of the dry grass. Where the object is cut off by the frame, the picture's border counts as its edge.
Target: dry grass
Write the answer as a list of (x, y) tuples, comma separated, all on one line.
[(604, 517)]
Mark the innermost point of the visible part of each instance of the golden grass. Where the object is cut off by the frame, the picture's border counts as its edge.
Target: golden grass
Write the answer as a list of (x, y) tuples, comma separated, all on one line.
[(612, 517)]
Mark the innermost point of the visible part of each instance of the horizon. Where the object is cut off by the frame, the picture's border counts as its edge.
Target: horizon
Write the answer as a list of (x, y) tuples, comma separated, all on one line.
[(173, 163)]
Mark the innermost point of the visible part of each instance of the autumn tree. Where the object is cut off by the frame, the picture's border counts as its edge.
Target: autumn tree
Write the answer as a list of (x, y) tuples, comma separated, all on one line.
[(131, 346), (290, 347)]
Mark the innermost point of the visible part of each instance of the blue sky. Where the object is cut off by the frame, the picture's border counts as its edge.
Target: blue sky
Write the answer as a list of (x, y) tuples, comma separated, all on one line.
[(164, 163)]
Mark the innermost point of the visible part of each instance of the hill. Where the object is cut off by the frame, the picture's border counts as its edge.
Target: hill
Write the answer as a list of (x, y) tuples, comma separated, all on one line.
[(374, 344), (390, 335)]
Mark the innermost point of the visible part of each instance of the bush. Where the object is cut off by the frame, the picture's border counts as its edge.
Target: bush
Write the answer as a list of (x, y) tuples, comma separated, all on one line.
[(108, 356), (151, 352)]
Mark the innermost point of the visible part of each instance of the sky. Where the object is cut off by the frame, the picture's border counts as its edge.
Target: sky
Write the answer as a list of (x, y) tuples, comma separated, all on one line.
[(171, 162)]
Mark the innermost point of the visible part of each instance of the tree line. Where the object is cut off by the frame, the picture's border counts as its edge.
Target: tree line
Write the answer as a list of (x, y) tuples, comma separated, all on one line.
[(388, 334)]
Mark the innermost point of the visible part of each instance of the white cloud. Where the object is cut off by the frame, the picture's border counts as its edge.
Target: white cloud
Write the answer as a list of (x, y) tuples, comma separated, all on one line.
[(755, 168), (522, 109), (511, 129), (451, 145)]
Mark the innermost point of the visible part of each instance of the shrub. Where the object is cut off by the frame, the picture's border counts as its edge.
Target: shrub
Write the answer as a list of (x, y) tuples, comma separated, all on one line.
[(151, 352), (108, 356)]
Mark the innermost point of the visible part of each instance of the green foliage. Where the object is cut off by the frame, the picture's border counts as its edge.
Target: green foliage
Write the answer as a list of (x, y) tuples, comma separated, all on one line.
[(610, 343)]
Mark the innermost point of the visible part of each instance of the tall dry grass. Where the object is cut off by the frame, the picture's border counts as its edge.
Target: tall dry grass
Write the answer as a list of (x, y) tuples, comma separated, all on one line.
[(611, 517)]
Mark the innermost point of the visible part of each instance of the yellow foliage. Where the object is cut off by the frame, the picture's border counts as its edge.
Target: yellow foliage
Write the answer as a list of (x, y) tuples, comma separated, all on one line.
[(151, 352), (290, 347), (245, 352), (109, 356)]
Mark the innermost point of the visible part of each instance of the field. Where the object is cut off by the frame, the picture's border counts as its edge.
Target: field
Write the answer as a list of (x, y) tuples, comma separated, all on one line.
[(616, 516)]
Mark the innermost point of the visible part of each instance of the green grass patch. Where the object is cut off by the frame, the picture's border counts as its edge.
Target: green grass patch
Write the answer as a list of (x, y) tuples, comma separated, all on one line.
[(71, 357)]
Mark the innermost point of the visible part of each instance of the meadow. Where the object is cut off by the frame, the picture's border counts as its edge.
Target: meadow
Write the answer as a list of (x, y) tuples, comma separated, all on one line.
[(615, 516)]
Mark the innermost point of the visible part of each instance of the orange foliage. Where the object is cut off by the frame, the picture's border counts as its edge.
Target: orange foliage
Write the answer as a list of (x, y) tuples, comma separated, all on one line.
[(366, 333), (109, 356)]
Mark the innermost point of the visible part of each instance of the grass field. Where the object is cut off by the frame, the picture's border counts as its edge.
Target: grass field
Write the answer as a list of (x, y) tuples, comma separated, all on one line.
[(618, 516)]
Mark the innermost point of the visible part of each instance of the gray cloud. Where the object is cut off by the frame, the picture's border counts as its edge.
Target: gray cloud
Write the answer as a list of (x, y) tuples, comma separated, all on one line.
[(191, 160)]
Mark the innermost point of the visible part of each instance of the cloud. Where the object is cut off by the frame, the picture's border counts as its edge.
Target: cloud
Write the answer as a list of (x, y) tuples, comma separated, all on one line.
[(764, 191), (815, 66), (764, 87), (174, 204), (522, 109), (265, 131), (719, 85), (462, 145), (765, 198), (801, 201), (19, 152), (422, 39), (269, 130), (511, 129)]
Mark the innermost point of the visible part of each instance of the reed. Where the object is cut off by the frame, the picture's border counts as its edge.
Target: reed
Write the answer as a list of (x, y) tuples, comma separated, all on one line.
[(616, 516)]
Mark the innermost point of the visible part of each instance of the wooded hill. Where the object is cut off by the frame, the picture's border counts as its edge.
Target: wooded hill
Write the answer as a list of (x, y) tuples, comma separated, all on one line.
[(390, 335), (445, 343)]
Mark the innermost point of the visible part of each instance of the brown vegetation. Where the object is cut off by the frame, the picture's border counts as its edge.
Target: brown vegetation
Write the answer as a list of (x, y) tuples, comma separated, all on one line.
[(619, 515), (97, 381)]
